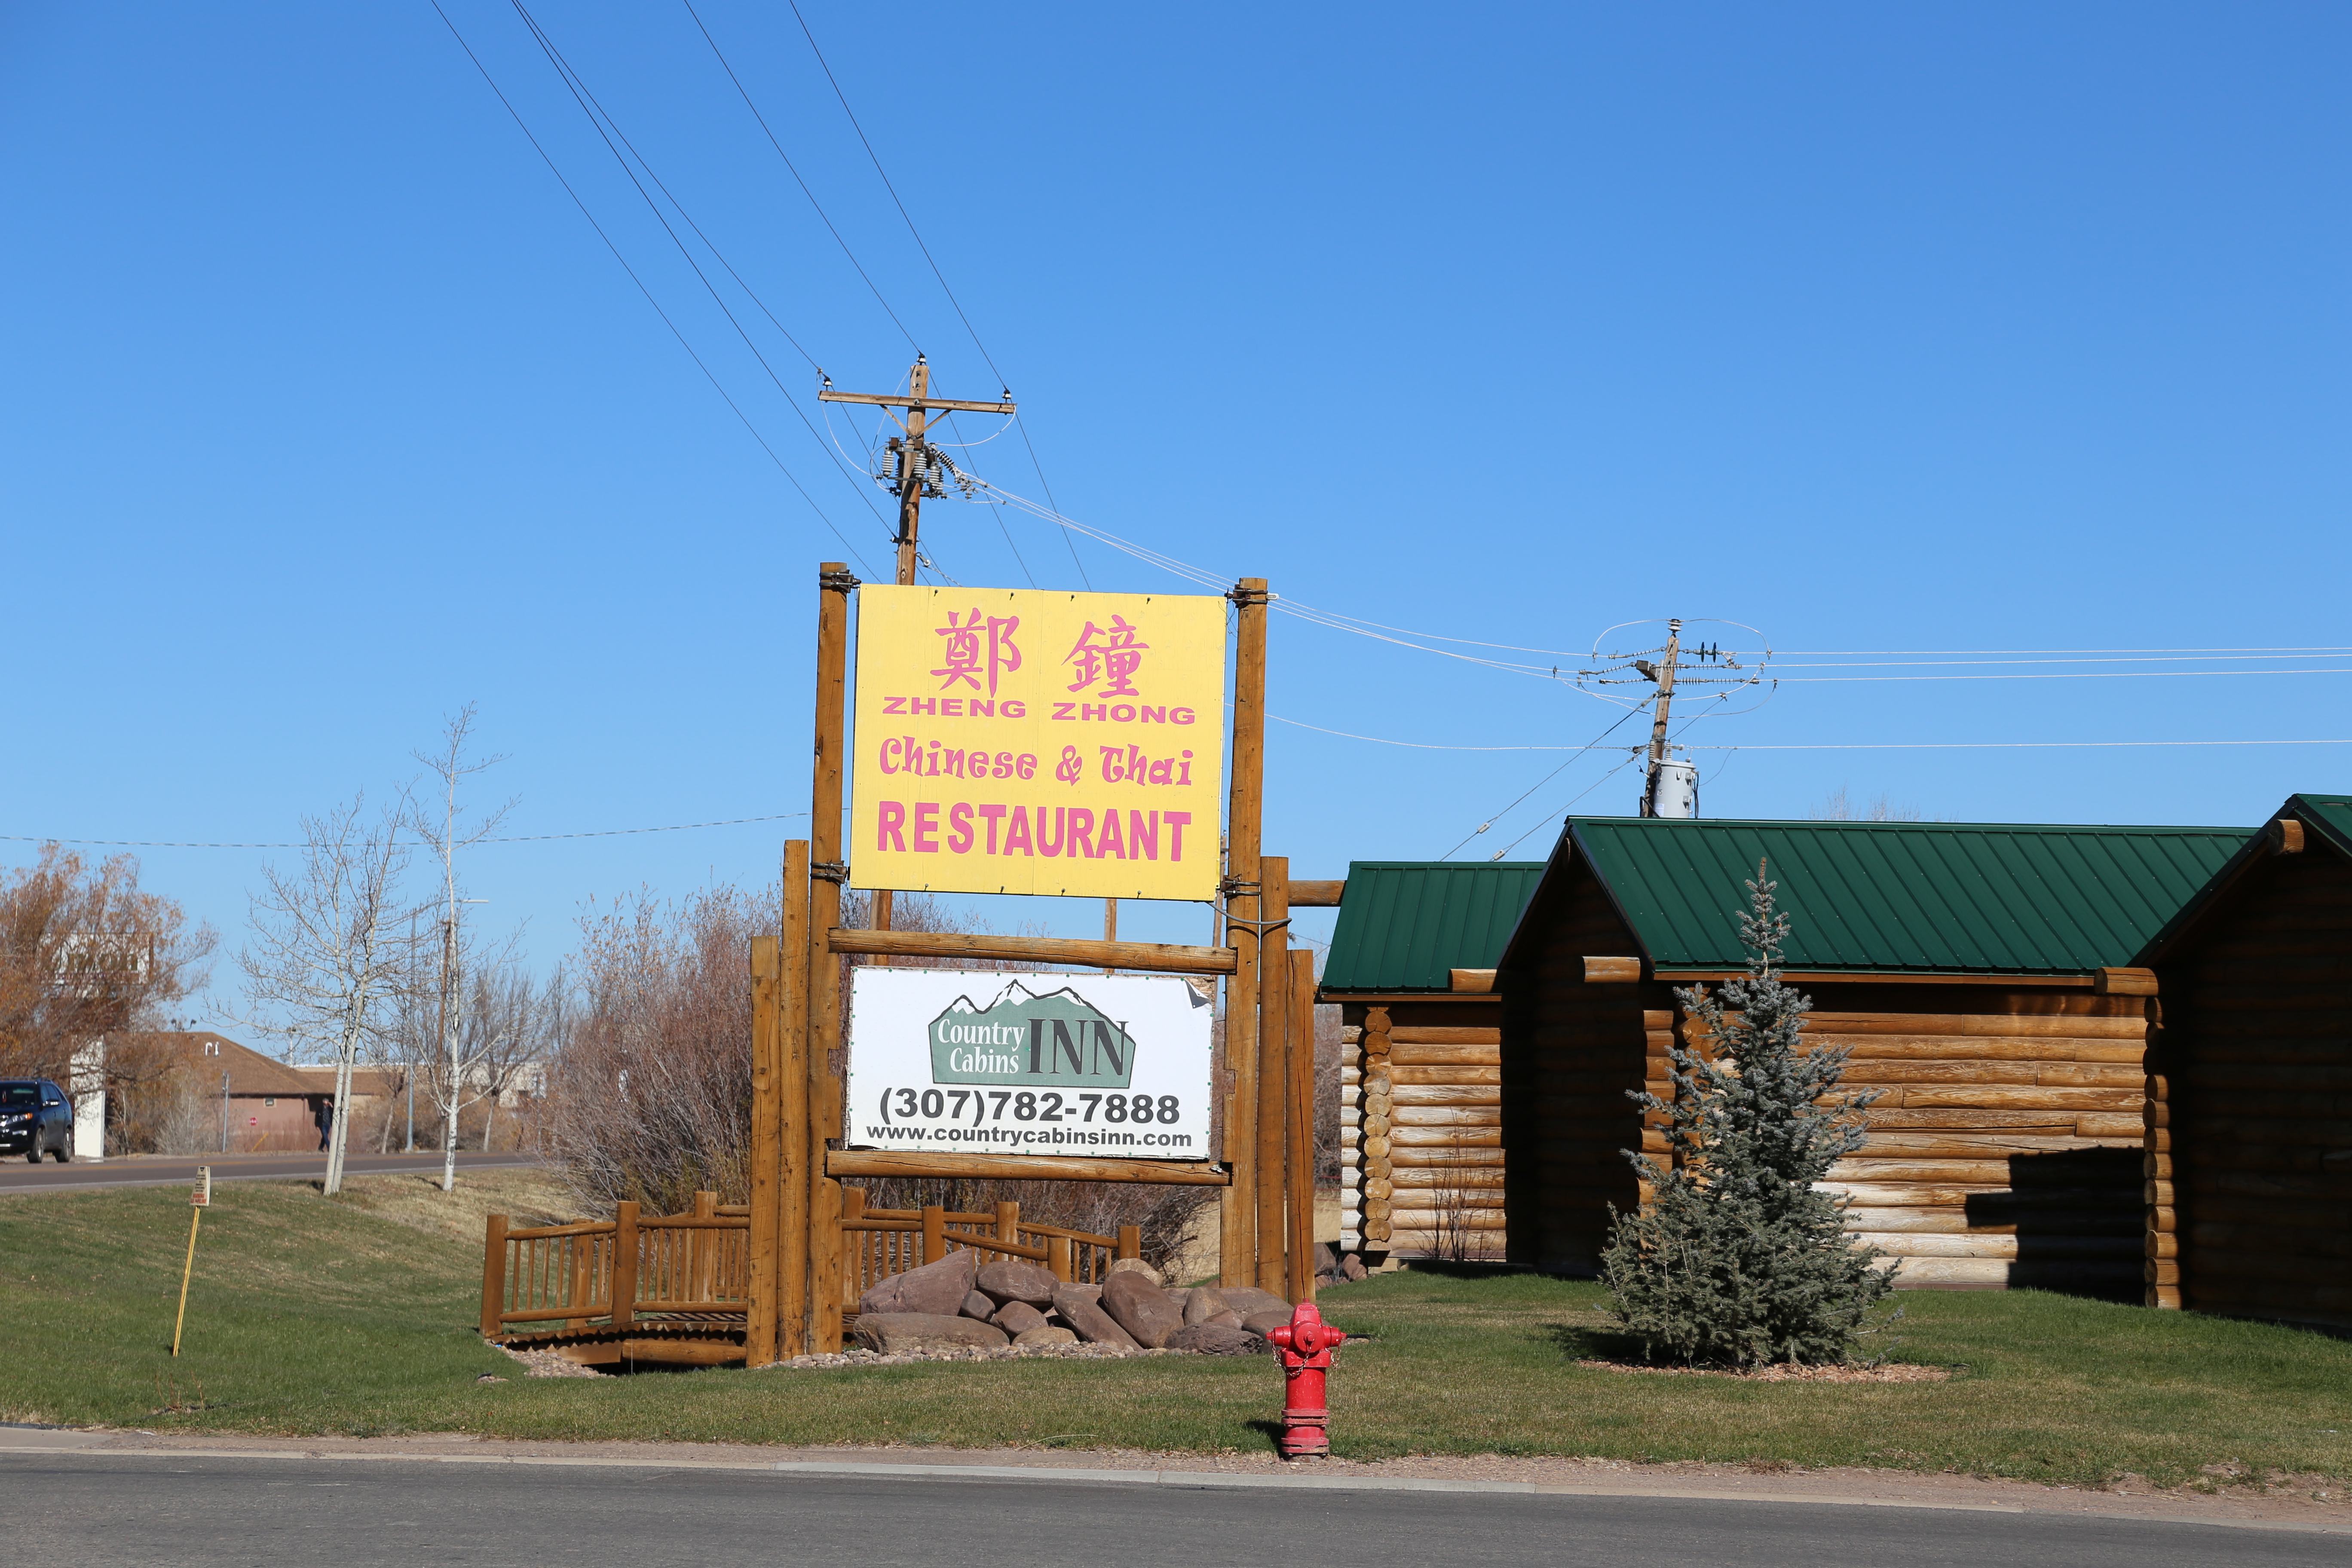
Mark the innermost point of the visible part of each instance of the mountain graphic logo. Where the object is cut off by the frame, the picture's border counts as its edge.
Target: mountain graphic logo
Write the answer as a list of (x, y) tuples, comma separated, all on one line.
[(1058, 1040)]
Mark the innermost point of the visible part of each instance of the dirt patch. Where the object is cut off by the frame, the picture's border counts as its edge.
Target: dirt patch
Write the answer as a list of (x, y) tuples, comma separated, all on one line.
[(1786, 1372), (547, 1363)]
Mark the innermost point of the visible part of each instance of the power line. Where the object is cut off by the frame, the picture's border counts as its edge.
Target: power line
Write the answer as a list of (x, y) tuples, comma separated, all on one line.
[(974, 333), (525, 838), (1993, 745), (708, 374), (1422, 745), (1531, 789), (2006, 652), (599, 118), (2056, 675), (745, 94)]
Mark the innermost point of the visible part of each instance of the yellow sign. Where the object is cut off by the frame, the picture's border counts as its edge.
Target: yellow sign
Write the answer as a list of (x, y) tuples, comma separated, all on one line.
[(1026, 741)]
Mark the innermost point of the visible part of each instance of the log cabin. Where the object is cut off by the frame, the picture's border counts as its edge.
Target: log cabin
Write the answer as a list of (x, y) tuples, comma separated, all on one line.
[(1412, 968), (2249, 1108), (1982, 974)]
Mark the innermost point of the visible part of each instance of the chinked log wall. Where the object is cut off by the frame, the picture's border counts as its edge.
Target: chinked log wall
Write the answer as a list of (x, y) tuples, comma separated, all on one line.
[(1421, 1166), (2253, 1150)]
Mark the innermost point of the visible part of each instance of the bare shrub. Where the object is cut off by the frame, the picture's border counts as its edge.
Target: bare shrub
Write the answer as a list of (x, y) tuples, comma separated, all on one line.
[(182, 1118), (652, 1099), (1449, 1234)]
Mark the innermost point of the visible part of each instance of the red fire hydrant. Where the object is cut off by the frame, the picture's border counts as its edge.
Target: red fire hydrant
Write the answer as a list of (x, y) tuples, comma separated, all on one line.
[(1305, 1344)]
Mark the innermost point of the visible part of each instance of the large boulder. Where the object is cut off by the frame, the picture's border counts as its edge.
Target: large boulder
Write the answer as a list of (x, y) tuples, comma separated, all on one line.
[(1141, 1308), (1352, 1268), (1133, 1266), (1249, 1301), (1266, 1323), (976, 1305), (1327, 1259), (1226, 1319), (1016, 1279), (1215, 1339), (1087, 1320), (895, 1333), (1018, 1317), (1045, 1334), (937, 1288), (1201, 1304)]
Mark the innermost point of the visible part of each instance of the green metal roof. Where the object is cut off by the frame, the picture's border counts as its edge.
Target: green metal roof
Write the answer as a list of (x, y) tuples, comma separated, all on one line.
[(2330, 815), (1915, 897), (1403, 924)]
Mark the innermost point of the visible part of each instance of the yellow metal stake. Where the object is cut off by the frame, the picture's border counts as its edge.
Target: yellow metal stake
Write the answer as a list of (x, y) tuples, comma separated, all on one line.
[(198, 1202)]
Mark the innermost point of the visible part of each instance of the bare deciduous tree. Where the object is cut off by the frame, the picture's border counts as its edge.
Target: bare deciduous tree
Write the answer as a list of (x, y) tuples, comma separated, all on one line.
[(325, 953), (454, 1083)]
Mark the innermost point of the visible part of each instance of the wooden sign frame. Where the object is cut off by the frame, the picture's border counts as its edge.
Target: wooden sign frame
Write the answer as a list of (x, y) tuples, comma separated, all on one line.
[(1265, 1224)]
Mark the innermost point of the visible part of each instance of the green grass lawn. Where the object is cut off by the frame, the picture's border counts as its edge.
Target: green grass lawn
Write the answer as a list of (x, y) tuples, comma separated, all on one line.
[(312, 1316)]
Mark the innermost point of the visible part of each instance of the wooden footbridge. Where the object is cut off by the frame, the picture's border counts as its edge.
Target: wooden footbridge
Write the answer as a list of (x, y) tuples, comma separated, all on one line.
[(675, 1288)]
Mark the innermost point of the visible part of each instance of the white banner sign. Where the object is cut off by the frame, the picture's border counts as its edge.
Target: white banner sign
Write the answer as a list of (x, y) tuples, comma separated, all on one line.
[(995, 1062)]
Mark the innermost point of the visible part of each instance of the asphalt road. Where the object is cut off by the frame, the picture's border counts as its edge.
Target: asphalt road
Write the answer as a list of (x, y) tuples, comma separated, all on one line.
[(194, 1512), (17, 1175)]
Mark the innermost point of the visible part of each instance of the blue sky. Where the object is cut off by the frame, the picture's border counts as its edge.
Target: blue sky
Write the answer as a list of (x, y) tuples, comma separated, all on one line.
[(1916, 329)]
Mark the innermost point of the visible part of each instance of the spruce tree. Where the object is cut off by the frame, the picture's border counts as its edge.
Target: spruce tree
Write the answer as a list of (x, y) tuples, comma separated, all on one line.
[(1737, 1258)]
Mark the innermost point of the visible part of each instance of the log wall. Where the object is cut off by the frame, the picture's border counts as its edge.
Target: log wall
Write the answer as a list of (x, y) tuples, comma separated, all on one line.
[(1420, 1157), (2252, 1082), (1571, 1052), (2004, 1148)]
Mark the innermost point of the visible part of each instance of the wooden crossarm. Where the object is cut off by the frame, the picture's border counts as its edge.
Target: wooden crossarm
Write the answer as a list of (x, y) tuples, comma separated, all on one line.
[(903, 401)]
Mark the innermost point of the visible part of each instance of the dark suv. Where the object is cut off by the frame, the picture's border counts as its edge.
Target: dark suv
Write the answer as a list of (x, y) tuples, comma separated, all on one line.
[(35, 1118)]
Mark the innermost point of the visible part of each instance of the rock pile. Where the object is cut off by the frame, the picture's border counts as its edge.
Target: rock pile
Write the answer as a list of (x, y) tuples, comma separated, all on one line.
[(961, 1303)]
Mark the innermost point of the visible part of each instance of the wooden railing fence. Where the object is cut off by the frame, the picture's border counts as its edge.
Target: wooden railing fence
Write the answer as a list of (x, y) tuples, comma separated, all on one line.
[(879, 1243), (680, 1270), (619, 1272)]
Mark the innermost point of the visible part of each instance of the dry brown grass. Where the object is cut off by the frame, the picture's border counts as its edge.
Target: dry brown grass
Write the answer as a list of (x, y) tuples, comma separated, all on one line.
[(525, 1195)]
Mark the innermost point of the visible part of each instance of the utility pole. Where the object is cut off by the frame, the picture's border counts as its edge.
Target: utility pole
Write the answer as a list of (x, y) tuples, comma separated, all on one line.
[(408, 1038), (920, 475), (1663, 674)]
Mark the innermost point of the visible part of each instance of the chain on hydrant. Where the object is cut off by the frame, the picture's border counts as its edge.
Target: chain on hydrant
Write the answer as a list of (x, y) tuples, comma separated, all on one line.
[(1305, 1344)]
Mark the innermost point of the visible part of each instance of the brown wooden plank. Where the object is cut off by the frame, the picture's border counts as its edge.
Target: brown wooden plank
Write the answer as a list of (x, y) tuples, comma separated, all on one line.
[(2038, 1098), (824, 1120), (1272, 1073), (1447, 1056), (494, 1275), (1023, 1168), (1155, 957), (682, 1352), (1237, 1211), (1444, 1034), (1438, 1077)]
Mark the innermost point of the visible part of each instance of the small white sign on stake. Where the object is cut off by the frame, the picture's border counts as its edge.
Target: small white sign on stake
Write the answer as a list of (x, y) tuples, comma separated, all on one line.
[(991, 1061)]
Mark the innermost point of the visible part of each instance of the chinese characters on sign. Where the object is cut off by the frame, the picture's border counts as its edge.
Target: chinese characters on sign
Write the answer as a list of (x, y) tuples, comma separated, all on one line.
[(1024, 742)]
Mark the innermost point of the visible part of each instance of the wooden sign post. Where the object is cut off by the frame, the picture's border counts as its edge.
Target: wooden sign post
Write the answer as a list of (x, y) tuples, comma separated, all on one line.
[(1266, 1215)]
